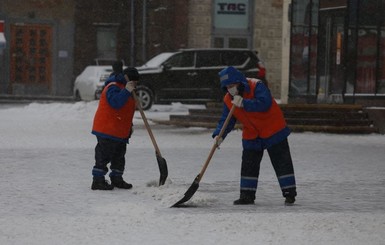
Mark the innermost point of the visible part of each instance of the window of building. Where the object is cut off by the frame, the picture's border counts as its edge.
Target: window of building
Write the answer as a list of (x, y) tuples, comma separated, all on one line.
[(237, 43), (106, 38), (219, 42)]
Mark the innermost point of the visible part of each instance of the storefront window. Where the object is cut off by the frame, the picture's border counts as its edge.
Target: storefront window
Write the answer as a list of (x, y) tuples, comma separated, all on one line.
[(337, 49), (366, 60), (303, 47), (381, 67), (367, 47)]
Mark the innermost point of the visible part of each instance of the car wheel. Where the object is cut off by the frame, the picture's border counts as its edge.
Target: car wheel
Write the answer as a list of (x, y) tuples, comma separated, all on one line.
[(145, 96), (77, 96)]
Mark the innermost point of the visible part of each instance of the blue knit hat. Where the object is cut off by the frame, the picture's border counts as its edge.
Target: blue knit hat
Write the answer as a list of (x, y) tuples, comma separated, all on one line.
[(230, 75)]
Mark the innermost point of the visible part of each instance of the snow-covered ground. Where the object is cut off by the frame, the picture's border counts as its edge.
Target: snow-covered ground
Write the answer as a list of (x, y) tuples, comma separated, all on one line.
[(46, 157)]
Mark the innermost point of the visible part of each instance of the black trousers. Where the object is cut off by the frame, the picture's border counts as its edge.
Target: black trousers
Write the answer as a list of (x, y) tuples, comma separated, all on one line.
[(109, 151), (281, 160)]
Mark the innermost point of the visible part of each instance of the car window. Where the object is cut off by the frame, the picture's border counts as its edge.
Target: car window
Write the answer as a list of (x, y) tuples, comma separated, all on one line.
[(185, 59), (234, 58), (208, 58)]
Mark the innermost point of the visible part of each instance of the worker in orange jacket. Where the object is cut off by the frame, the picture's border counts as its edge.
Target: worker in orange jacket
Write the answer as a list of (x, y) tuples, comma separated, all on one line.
[(113, 128), (264, 128)]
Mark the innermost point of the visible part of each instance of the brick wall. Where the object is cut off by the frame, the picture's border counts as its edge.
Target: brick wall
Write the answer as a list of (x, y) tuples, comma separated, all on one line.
[(268, 40), (165, 28), (267, 34), (199, 17), (88, 16)]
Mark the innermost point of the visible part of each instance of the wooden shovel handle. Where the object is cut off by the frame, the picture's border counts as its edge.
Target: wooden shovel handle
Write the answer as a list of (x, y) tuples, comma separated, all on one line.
[(214, 147), (137, 102)]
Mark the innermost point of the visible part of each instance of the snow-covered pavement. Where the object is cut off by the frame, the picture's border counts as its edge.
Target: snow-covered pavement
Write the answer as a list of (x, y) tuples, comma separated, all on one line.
[(46, 156)]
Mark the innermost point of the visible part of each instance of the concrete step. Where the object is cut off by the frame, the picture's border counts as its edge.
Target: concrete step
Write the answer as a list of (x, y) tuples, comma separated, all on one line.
[(290, 121), (329, 118), (294, 128), (289, 113)]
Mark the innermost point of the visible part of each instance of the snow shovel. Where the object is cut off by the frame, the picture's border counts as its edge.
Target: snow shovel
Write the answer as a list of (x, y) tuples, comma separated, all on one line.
[(161, 161), (195, 185)]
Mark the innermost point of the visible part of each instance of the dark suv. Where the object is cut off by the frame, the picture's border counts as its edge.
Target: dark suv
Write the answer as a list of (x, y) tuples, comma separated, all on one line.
[(191, 75)]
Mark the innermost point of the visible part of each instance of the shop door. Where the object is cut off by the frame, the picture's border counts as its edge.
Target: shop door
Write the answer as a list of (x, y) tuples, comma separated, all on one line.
[(330, 65), (31, 55)]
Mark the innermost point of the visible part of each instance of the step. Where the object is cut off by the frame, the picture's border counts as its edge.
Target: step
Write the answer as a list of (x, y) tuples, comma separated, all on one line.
[(334, 129), (329, 121), (328, 118), (318, 107), (204, 118), (289, 120), (293, 113), (294, 128), (210, 111), (325, 114), (321, 107)]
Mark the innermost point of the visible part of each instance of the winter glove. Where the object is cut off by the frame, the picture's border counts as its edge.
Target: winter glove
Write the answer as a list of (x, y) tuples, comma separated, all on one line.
[(218, 141), (130, 86), (237, 101)]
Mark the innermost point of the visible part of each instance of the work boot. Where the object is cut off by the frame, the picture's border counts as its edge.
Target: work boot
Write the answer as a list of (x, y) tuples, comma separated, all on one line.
[(245, 199), (289, 195), (118, 182), (99, 183), (289, 200)]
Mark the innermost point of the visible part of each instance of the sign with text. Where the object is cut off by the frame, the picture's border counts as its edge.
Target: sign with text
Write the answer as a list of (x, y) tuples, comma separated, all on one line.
[(233, 14)]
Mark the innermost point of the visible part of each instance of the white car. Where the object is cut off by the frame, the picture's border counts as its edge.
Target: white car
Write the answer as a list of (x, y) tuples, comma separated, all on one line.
[(89, 84)]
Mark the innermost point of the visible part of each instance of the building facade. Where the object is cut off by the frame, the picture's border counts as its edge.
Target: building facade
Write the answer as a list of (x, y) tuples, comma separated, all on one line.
[(315, 51), (48, 43), (249, 24), (38, 55)]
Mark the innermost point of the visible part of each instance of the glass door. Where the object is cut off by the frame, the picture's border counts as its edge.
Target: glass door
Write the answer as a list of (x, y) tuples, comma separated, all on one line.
[(330, 63)]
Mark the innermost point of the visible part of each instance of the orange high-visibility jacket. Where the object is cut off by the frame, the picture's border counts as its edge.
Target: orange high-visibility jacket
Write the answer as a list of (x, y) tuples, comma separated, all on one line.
[(113, 123), (257, 124)]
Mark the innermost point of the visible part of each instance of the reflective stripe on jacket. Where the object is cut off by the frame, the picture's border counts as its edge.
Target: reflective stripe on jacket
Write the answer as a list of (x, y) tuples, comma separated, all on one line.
[(113, 123), (257, 124)]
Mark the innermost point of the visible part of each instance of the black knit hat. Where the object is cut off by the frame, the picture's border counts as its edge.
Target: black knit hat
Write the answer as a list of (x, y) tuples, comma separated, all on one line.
[(117, 66), (132, 73)]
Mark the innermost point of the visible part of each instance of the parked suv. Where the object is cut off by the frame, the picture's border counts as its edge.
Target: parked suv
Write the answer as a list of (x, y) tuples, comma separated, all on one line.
[(191, 75)]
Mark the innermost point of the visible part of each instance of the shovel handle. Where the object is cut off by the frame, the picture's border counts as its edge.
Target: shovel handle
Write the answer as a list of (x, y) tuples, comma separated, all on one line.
[(214, 147), (146, 124)]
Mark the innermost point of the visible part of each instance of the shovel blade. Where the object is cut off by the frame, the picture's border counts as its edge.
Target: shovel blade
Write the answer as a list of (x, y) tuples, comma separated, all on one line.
[(162, 169), (189, 193)]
